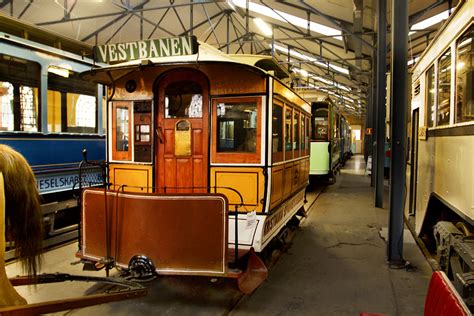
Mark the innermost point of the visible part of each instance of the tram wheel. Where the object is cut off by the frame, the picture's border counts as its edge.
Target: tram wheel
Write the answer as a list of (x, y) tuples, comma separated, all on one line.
[(141, 268)]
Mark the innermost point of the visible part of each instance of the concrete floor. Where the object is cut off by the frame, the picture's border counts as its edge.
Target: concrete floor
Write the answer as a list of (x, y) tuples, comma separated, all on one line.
[(335, 265)]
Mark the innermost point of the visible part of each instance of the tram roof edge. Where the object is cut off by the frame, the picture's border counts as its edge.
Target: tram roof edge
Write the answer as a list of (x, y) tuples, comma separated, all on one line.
[(206, 54)]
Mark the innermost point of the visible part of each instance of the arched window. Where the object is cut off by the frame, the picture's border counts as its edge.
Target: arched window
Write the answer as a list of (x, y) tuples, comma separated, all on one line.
[(85, 110)]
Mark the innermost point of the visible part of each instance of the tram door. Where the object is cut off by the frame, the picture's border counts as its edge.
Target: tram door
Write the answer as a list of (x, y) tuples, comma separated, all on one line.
[(182, 132), (414, 162)]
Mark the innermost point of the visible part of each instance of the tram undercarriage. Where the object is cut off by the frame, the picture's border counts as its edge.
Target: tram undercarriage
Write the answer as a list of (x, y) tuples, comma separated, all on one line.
[(455, 254)]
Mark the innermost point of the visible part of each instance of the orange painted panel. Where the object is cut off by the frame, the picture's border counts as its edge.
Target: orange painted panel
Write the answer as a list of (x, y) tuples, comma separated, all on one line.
[(277, 186), (249, 182), (131, 178), (287, 179)]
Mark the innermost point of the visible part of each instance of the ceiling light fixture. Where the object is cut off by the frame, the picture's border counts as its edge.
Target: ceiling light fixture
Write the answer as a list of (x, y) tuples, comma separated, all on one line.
[(285, 17), (263, 26), (311, 59)]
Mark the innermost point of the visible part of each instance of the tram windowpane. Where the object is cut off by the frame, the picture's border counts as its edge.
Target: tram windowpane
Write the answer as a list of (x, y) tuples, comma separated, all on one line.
[(320, 122), (72, 102), (288, 127), (444, 88), (29, 109), (277, 129), (122, 132), (237, 127), (303, 133), (54, 111), (183, 99), (430, 96), (464, 77), (81, 111), (19, 82), (6, 110), (296, 131)]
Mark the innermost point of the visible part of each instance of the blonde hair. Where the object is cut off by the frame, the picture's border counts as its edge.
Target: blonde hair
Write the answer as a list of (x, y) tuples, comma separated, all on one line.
[(23, 213)]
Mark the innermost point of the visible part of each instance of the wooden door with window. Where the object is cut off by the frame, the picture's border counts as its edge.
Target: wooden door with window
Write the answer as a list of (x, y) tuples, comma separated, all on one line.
[(182, 131)]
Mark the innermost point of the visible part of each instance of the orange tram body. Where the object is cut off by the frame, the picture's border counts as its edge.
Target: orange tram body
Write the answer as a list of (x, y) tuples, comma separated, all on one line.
[(208, 160)]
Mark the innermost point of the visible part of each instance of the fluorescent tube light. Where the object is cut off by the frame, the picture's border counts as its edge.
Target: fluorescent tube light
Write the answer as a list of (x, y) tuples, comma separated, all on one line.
[(430, 21), (285, 17), (264, 27)]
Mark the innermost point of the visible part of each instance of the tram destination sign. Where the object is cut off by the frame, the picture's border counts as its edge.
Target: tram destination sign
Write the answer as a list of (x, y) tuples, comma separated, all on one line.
[(145, 49)]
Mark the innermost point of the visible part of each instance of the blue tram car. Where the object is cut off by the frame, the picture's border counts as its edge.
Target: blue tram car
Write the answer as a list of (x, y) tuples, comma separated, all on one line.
[(50, 115)]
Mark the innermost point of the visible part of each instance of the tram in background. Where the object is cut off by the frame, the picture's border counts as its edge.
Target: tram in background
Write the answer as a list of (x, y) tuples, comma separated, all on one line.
[(202, 125), (440, 202), (49, 115), (330, 140)]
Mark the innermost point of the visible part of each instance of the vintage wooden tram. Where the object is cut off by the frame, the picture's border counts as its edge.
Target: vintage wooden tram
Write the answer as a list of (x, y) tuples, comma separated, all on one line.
[(330, 140), (439, 203), (208, 157)]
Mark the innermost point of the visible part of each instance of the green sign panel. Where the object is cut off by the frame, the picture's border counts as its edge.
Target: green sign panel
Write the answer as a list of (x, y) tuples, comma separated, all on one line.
[(165, 47)]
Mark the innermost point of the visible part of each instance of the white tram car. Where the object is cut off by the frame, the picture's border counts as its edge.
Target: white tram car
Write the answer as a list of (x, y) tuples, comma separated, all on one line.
[(440, 195)]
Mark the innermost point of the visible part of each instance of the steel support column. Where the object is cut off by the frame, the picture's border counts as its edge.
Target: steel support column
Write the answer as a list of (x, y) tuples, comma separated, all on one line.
[(399, 100), (373, 92), (368, 124), (381, 83)]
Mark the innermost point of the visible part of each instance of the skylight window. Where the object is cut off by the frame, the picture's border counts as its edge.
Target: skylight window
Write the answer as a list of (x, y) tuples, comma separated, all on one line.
[(294, 53), (429, 22), (285, 17)]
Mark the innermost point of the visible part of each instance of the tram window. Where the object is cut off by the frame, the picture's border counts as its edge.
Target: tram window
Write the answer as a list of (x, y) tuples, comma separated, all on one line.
[(320, 123), (54, 111), (122, 133), (465, 77), (288, 128), (430, 96), (308, 134), (303, 133), (183, 99), (296, 130), (444, 88), (29, 109), (277, 132), (19, 82), (72, 103), (85, 111), (236, 127), (6, 110)]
